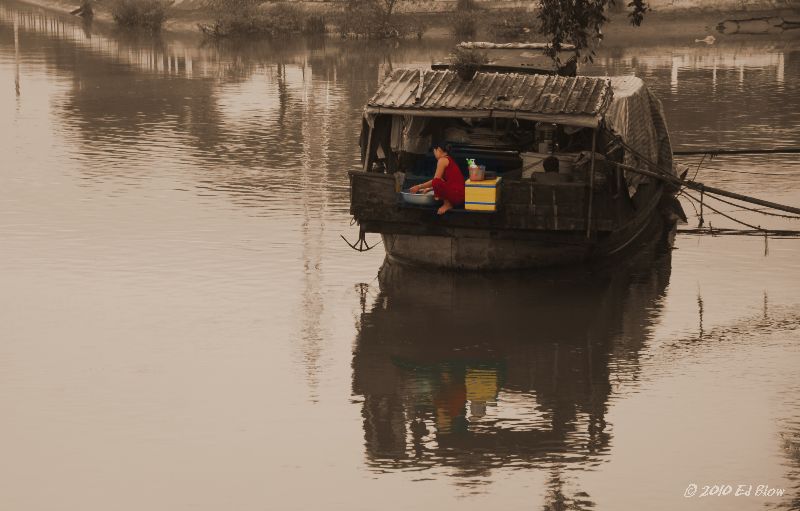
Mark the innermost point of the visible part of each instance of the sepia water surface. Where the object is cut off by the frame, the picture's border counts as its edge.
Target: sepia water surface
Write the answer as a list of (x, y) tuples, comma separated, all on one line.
[(182, 327)]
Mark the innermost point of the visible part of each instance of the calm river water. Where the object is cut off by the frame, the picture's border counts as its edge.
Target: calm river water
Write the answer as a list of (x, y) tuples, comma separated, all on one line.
[(184, 329)]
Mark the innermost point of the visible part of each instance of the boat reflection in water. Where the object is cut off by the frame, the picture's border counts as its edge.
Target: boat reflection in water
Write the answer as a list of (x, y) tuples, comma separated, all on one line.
[(480, 371)]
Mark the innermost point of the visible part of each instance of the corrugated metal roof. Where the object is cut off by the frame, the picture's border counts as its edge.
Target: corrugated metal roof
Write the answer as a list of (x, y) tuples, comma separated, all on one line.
[(511, 93)]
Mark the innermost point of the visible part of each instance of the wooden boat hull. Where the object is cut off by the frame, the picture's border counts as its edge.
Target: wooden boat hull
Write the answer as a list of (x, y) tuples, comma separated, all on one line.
[(487, 253), (536, 227), (480, 253)]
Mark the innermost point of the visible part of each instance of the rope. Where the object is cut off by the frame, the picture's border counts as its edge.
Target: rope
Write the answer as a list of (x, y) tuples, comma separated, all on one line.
[(780, 234), (755, 230), (782, 174), (755, 210), (697, 171), (758, 228), (691, 203)]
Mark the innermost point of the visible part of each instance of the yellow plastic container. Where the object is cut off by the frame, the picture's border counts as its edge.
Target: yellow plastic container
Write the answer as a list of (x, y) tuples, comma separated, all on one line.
[(482, 195)]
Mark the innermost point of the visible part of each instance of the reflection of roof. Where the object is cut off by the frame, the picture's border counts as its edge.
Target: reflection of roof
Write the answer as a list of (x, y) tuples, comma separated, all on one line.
[(480, 45), (529, 58), (579, 101), (502, 61)]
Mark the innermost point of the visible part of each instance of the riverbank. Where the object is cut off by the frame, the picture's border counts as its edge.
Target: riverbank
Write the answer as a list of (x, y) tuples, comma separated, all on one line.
[(670, 17)]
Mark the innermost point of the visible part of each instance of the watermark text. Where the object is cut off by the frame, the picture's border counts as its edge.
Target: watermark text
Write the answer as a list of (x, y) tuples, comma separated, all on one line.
[(732, 490)]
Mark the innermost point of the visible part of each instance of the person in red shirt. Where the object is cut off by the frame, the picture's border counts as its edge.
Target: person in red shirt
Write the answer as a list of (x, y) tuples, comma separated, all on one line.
[(447, 182)]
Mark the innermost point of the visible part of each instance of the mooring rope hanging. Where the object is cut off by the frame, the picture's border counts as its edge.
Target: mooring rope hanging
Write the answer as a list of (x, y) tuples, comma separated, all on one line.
[(691, 203), (361, 245), (673, 179), (720, 213), (742, 207), (783, 174), (669, 177), (697, 170)]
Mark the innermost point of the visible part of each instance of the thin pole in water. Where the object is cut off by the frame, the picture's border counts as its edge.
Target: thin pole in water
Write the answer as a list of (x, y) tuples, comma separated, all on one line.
[(16, 54), (591, 187)]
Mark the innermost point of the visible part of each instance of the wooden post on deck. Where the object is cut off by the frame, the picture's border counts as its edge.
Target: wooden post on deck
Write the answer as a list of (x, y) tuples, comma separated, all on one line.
[(369, 149), (591, 187)]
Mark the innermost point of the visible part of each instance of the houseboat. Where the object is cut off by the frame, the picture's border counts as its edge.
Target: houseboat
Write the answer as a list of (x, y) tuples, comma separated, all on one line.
[(607, 134)]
